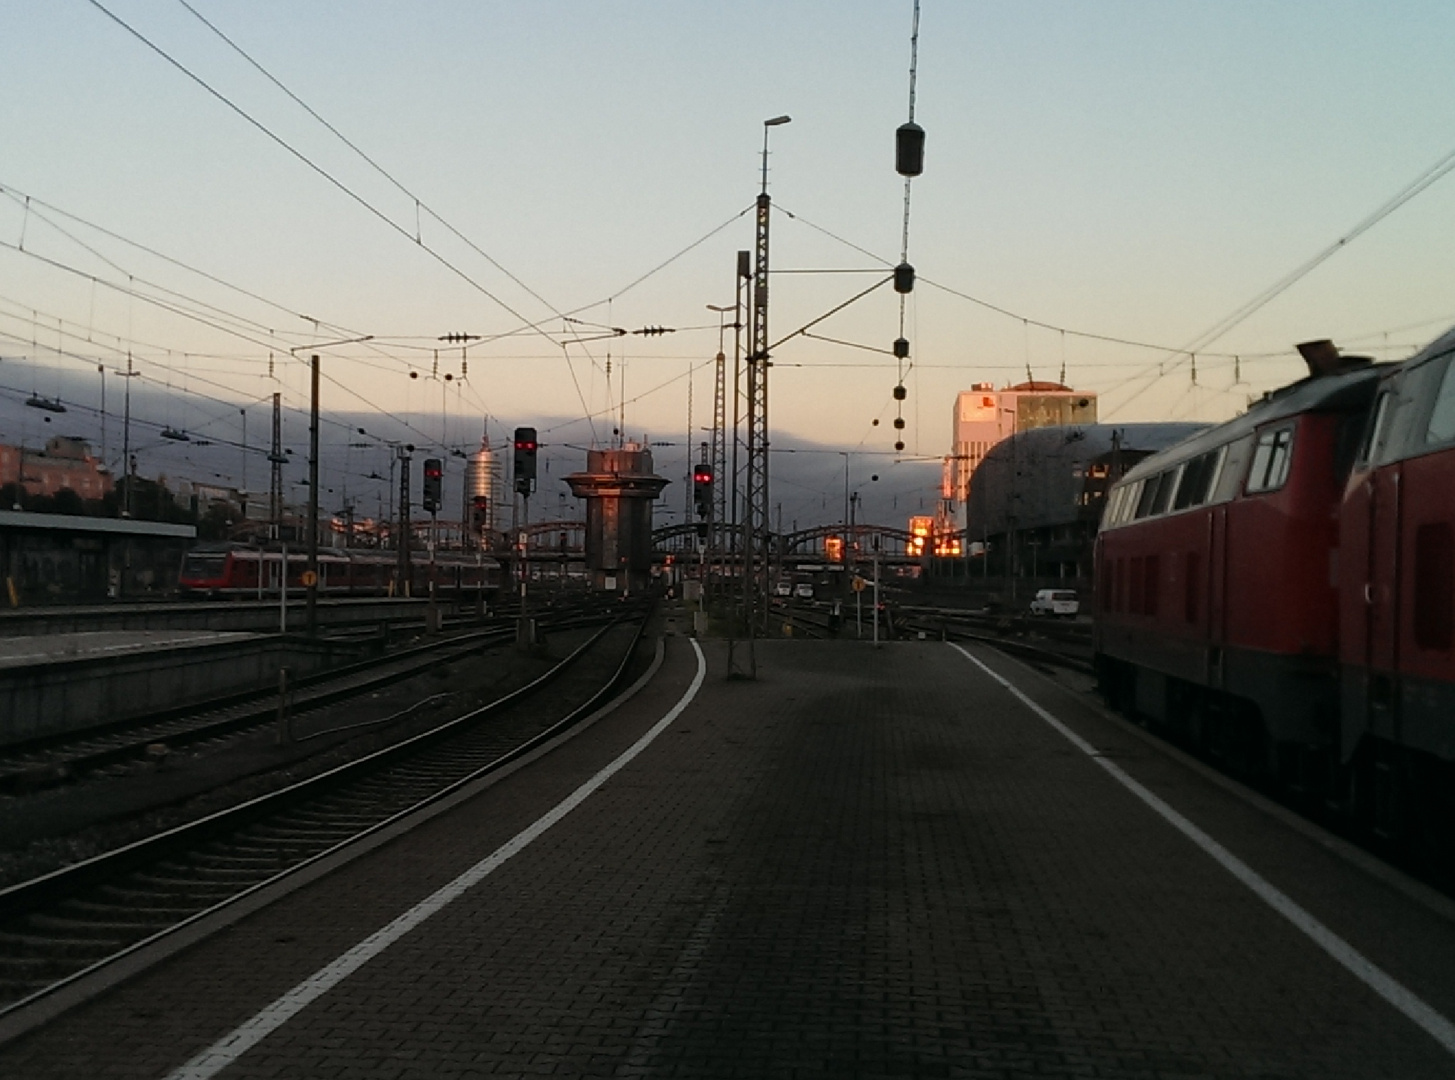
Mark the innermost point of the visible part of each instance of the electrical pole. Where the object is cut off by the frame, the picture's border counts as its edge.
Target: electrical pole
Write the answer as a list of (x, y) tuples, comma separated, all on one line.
[(717, 453), (757, 527), (736, 537), (311, 617), (277, 459), (126, 464), (402, 453)]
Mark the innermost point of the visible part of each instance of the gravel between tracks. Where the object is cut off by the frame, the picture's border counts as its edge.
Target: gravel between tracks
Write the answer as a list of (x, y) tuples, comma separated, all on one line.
[(55, 828)]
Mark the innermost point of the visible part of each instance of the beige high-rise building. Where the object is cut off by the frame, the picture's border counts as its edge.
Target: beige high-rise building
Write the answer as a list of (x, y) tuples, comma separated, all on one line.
[(984, 416)]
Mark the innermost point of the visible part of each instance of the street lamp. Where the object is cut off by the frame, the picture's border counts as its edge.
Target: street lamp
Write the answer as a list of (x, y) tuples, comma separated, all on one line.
[(775, 122)]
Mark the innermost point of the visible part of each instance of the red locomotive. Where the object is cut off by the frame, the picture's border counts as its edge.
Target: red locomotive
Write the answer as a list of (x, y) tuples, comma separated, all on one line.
[(236, 570), (1397, 598), (1279, 589)]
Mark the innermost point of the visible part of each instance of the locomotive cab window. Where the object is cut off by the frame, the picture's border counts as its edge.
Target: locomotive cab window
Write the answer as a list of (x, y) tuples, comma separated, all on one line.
[(1271, 457), (1442, 420), (1374, 434)]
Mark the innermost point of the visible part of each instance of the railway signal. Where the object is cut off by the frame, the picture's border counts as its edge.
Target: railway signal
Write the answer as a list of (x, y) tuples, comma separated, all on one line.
[(525, 459), (434, 479), (702, 489)]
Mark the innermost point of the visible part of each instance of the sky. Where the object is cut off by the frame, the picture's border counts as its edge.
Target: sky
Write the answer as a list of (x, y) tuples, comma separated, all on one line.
[(1094, 169)]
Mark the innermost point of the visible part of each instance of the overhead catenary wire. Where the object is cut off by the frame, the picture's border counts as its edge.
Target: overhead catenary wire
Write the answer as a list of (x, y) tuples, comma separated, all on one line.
[(315, 167)]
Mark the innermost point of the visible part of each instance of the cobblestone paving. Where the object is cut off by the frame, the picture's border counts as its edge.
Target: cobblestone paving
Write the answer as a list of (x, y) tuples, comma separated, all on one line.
[(867, 864)]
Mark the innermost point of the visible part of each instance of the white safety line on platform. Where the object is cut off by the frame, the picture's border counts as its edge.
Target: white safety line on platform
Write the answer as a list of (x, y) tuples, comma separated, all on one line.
[(232, 1046), (1394, 992)]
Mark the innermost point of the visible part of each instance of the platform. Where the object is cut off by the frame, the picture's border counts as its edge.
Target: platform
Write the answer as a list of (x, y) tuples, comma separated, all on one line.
[(99, 644), (867, 863)]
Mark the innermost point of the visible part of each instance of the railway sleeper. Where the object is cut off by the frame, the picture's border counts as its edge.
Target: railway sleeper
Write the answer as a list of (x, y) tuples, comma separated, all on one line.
[(19, 947), (124, 925), (140, 896), (193, 877)]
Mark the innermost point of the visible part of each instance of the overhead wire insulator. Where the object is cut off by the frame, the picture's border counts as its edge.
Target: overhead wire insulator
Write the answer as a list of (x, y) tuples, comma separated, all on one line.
[(904, 278), (900, 393), (909, 149), (899, 423), (899, 445), (901, 348)]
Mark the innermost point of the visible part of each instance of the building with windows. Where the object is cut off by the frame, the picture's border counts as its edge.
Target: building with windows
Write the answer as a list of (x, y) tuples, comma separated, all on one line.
[(65, 463), (984, 416), (1038, 496)]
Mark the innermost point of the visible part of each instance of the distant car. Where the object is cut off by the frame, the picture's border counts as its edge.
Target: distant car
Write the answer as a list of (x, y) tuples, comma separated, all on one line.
[(1055, 602), (803, 590), (783, 588)]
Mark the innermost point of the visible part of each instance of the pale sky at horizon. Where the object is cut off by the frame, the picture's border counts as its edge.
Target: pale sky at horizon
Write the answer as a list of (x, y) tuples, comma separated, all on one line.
[(1121, 167)]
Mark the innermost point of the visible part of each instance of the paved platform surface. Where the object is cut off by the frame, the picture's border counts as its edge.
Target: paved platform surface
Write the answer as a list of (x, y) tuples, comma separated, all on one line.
[(867, 863), (95, 644)]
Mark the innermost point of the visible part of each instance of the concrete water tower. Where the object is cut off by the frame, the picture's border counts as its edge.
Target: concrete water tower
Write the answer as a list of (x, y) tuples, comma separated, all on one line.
[(618, 486)]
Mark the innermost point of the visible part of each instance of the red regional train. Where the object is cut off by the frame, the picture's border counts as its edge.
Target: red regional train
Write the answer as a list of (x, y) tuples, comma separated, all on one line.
[(1279, 589), (233, 570)]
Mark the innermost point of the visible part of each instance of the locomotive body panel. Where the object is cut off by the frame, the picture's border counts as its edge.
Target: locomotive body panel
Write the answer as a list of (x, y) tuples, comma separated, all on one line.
[(1231, 588), (1397, 575)]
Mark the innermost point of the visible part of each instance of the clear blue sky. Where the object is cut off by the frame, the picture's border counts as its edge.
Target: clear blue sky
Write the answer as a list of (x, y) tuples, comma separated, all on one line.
[(1130, 168)]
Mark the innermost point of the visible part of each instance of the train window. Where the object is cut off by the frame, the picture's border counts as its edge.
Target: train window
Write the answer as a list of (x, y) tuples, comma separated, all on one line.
[(1215, 472), (1374, 434), (1235, 466), (1197, 478), (1149, 494), (1165, 489), (1271, 458), (199, 564), (1442, 420), (1113, 506), (1109, 512), (1129, 502)]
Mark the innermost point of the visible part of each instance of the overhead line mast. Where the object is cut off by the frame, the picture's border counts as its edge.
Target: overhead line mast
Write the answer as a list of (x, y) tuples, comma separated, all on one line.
[(757, 534)]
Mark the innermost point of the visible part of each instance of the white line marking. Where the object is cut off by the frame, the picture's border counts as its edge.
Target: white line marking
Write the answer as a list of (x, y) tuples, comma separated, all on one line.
[(230, 1047), (1433, 1023)]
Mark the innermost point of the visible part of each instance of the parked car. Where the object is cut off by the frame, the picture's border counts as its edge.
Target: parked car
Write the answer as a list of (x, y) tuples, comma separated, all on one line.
[(783, 588), (1055, 602), (803, 590)]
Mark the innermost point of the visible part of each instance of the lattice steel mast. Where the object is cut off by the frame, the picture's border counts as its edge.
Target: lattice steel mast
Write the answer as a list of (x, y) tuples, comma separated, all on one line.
[(757, 529)]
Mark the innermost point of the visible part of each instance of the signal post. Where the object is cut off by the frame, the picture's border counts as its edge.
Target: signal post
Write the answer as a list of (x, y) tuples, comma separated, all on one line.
[(434, 479), (526, 448)]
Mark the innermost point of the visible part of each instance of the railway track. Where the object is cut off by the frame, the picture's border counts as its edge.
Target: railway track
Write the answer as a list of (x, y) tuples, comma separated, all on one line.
[(58, 928), (1067, 645), (53, 761)]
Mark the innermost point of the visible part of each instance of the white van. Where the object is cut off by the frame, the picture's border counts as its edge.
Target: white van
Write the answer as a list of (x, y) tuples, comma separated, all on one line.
[(1055, 602)]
